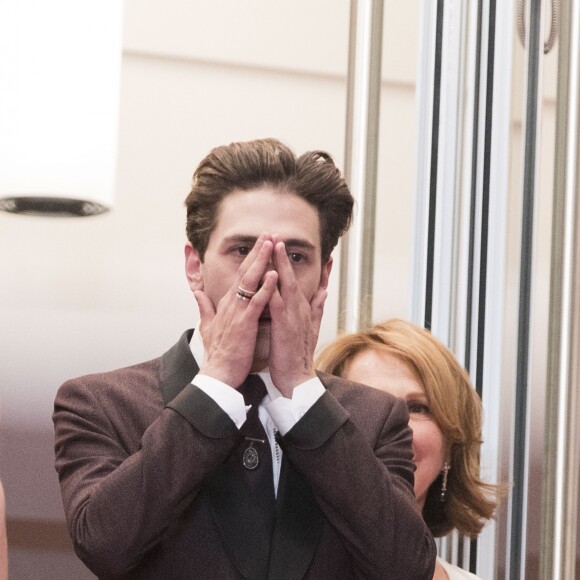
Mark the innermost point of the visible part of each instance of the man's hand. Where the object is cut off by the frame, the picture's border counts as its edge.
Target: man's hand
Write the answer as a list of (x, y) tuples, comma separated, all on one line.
[(229, 331), (295, 326)]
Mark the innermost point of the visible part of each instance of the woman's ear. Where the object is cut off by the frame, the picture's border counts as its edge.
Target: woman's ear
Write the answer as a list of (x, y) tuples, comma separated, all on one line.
[(193, 267)]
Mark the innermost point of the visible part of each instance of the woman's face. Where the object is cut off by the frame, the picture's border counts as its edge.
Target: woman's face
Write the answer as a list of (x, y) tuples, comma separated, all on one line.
[(389, 373)]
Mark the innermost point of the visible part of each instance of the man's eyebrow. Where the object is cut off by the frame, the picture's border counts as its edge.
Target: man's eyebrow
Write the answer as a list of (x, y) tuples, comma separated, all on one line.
[(240, 239), (297, 243), (251, 240)]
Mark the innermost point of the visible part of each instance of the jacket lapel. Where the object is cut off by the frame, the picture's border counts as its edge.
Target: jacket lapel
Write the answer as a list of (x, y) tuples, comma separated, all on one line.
[(178, 367)]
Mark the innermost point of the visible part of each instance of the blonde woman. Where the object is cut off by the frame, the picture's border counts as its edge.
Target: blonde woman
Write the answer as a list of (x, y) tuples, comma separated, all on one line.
[(444, 413)]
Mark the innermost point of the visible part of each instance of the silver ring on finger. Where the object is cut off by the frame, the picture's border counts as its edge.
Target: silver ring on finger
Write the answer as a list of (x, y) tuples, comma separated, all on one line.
[(244, 294)]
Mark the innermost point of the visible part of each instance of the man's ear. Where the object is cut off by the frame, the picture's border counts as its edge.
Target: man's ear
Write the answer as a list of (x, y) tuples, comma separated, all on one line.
[(325, 273), (193, 267)]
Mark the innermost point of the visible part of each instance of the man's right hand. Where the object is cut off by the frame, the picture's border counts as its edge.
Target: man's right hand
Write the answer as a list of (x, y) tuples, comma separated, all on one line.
[(229, 331)]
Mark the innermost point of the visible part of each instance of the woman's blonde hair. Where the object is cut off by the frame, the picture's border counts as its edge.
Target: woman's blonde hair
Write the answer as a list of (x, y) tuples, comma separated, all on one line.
[(455, 408)]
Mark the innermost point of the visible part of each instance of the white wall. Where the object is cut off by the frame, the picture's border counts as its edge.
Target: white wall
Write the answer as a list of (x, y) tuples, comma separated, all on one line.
[(81, 295)]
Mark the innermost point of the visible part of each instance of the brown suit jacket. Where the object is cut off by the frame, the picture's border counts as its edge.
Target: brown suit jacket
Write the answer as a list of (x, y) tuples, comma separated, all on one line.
[(140, 454)]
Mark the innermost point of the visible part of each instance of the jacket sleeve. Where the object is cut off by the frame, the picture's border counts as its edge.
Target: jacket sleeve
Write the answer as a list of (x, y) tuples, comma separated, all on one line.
[(365, 490), (124, 480)]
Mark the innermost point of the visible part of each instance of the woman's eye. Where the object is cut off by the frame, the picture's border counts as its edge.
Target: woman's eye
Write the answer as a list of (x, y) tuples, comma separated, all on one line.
[(418, 408)]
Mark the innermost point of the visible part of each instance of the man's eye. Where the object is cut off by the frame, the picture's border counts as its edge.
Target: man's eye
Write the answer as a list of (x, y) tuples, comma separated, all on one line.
[(243, 250), (418, 408), (295, 257)]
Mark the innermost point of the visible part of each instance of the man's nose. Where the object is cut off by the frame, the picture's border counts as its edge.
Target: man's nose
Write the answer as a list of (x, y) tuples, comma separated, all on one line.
[(269, 267)]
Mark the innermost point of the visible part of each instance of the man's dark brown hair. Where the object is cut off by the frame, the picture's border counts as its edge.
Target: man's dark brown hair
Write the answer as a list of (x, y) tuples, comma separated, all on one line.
[(267, 162)]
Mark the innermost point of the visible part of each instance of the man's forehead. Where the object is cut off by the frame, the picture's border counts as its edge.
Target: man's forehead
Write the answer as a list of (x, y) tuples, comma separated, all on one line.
[(244, 215)]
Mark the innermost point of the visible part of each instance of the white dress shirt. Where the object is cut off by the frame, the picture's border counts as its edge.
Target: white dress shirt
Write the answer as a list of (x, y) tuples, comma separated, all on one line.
[(276, 412)]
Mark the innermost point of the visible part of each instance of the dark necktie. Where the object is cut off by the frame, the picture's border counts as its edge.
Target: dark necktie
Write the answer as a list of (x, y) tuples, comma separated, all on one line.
[(256, 453), (241, 491), (253, 390)]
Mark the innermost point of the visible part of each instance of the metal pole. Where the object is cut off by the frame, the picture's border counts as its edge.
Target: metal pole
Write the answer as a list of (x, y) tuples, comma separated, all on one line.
[(520, 458), (362, 130), (562, 445)]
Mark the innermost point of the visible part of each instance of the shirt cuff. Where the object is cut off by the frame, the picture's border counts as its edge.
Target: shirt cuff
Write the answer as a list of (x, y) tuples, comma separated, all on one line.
[(229, 399), (285, 413)]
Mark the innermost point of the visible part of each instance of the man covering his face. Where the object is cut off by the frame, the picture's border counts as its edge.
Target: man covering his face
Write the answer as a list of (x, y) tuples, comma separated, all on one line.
[(229, 457)]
